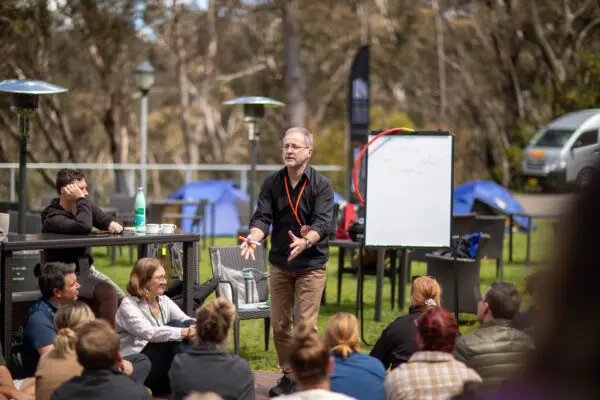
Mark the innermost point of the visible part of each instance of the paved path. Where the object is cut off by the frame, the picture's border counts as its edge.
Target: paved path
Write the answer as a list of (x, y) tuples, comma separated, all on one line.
[(543, 203)]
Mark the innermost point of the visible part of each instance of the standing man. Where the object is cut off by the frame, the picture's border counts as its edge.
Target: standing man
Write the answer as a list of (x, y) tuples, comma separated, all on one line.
[(72, 213), (298, 201)]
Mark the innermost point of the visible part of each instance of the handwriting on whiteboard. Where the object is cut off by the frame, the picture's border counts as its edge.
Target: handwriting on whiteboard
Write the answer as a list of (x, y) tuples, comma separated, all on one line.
[(413, 164)]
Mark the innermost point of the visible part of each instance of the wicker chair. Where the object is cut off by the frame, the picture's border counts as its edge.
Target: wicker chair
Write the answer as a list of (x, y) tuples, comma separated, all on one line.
[(467, 278), (495, 226), (229, 256)]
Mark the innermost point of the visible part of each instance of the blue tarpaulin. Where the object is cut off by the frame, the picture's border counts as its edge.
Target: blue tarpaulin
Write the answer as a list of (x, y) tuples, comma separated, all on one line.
[(223, 194), (491, 194)]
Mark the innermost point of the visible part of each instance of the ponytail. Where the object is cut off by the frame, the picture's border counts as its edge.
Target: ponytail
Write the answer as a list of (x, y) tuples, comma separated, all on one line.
[(67, 321), (64, 342), (342, 337)]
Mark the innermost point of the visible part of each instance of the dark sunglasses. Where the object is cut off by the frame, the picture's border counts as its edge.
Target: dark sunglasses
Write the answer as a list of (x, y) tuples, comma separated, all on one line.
[(421, 276)]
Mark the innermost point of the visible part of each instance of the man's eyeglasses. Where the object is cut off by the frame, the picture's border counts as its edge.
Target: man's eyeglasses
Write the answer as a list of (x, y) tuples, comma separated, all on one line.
[(421, 276), (292, 147)]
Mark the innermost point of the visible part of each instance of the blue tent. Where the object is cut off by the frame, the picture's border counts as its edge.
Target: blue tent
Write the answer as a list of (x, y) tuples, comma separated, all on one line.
[(490, 194), (223, 194)]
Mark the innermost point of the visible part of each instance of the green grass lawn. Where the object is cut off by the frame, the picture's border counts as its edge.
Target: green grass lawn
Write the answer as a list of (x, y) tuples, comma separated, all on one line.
[(252, 339)]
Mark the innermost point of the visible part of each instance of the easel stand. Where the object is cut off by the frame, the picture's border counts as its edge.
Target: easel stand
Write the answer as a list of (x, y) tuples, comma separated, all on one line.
[(453, 244)]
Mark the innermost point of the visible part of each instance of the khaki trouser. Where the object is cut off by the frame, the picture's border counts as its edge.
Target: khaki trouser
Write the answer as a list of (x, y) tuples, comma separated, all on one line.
[(289, 290)]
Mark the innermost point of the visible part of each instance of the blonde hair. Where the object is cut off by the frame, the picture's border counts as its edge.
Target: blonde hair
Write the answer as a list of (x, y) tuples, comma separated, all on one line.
[(214, 320), (425, 288), (141, 274), (68, 320), (309, 356), (203, 396), (342, 336)]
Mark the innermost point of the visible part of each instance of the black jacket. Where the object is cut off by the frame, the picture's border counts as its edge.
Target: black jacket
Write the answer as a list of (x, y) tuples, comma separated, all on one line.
[(101, 384), (315, 209), (207, 368), (56, 219), (398, 341)]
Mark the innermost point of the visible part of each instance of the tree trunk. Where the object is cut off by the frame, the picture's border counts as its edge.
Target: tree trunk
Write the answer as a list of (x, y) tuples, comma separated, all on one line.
[(439, 37), (295, 82), (112, 125)]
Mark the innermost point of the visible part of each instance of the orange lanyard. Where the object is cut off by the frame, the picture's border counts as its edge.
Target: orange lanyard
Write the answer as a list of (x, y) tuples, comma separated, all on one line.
[(287, 191)]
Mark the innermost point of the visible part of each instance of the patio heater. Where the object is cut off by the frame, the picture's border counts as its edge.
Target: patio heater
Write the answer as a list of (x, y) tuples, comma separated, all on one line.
[(144, 78), (24, 102), (254, 111)]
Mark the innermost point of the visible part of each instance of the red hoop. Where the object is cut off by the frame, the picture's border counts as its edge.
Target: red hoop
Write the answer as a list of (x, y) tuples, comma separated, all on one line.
[(362, 153)]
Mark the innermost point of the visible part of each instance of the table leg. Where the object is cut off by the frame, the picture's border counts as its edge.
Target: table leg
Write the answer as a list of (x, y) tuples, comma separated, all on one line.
[(143, 251), (6, 299), (213, 224), (379, 283), (204, 230), (510, 239), (341, 255), (359, 283), (190, 268), (528, 250), (402, 273), (393, 272)]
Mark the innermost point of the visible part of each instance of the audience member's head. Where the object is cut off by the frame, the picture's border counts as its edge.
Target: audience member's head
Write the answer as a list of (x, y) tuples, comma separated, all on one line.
[(309, 359), (567, 334), (147, 278), (425, 292), (500, 301), (342, 337), (203, 396), (437, 330), (58, 282), (69, 319), (67, 176), (97, 346), (214, 320)]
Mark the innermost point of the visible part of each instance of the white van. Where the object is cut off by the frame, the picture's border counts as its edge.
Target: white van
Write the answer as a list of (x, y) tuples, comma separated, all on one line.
[(563, 152)]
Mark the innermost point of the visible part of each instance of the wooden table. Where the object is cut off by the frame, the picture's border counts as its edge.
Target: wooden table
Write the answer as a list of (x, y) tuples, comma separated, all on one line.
[(47, 241)]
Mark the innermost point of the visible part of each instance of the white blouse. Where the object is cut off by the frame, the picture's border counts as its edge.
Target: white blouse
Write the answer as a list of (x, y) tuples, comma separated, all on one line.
[(136, 325)]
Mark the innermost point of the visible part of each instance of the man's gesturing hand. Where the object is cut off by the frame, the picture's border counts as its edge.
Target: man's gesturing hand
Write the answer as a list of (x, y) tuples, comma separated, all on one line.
[(297, 246), (248, 249)]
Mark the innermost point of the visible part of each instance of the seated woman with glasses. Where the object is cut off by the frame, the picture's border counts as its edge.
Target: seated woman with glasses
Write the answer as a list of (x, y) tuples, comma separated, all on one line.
[(398, 341), (355, 374), (149, 322)]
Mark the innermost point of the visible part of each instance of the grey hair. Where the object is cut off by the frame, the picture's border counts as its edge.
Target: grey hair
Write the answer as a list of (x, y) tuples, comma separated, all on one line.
[(308, 137)]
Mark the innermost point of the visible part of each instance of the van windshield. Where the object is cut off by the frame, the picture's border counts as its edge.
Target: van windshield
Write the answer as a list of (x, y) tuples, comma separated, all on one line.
[(554, 138)]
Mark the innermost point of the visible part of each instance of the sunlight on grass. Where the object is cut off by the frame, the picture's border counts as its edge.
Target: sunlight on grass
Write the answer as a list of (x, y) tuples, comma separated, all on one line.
[(252, 336)]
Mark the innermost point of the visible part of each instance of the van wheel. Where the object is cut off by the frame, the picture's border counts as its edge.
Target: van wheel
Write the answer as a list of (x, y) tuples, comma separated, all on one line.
[(584, 178)]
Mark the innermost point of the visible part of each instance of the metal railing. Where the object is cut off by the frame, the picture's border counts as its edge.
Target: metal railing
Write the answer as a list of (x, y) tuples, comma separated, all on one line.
[(242, 169)]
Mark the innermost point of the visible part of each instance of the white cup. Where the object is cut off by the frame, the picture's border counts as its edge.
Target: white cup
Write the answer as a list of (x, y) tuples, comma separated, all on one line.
[(4, 222), (152, 228), (167, 228)]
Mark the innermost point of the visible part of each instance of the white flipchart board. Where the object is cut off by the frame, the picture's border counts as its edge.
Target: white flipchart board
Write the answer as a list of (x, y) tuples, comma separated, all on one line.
[(409, 190)]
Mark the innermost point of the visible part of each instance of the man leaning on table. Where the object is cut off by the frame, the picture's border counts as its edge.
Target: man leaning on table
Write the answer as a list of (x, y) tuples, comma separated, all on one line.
[(298, 201), (72, 213)]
